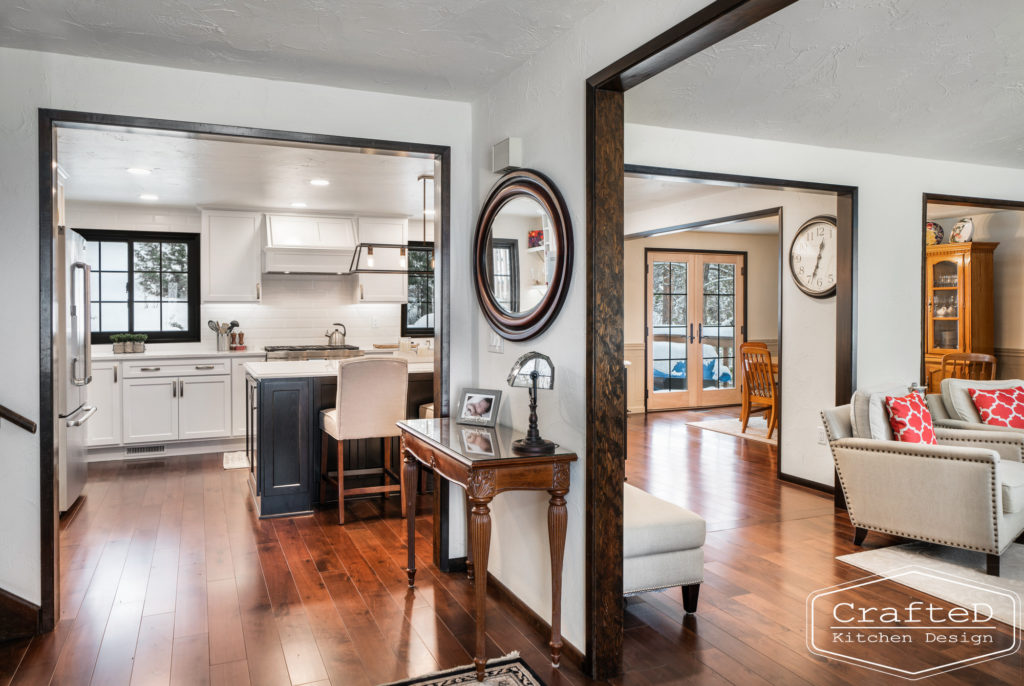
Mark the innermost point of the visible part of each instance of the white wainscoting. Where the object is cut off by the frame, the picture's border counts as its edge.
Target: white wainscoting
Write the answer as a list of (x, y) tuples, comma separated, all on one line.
[(1009, 363)]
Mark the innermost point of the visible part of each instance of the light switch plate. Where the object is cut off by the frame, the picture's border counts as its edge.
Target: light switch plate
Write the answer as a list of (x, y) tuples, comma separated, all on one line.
[(496, 344)]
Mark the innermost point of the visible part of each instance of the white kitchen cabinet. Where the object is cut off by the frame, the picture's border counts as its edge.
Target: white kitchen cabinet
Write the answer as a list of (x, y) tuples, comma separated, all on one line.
[(238, 397), (231, 261), (150, 410), (104, 427), (383, 288), (204, 407)]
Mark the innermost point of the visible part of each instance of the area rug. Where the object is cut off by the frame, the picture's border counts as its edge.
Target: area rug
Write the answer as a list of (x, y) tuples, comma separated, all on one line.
[(236, 460), (503, 671), (757, 428), (965, 564)]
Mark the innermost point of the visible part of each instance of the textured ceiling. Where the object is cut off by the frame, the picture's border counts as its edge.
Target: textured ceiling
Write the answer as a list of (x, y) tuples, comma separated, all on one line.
[(449, 49), (940, 79), (188, 171)]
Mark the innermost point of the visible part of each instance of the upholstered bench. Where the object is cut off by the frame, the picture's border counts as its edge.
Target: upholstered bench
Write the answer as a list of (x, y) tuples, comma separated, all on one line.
[(662, 546)]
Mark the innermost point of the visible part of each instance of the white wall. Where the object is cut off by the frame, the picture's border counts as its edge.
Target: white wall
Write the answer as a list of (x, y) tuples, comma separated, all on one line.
[(31, 80), (294, 309), (543, 102)]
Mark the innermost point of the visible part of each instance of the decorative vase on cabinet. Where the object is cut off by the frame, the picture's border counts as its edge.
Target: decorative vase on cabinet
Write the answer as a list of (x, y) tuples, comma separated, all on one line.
[(959, 309)]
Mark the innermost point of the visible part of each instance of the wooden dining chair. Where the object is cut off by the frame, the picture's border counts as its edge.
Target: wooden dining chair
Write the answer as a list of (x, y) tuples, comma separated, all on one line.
[(976, 366), (759, 388)]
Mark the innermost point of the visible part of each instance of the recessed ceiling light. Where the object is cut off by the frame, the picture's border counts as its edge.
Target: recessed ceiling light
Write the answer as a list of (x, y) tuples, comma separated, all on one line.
[(138, 171), (319, 182), (298, 204), (149, 196)]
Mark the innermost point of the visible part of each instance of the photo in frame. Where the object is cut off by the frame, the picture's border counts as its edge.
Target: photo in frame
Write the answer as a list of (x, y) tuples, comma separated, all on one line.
[(479, 407)]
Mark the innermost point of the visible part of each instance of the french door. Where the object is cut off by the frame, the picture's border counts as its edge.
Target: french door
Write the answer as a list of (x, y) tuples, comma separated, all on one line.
[(694, 328)]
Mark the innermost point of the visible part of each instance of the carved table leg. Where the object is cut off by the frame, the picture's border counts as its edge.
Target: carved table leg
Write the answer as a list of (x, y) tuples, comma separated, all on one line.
[(410, 510), (480, 528), (469, 544), (557, 519)]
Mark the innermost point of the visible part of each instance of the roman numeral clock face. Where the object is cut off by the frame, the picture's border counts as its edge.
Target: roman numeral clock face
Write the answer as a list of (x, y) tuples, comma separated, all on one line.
[(812, 257)]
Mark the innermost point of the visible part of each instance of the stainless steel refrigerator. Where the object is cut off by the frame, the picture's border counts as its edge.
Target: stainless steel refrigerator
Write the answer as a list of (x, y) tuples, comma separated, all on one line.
[(74, 362)]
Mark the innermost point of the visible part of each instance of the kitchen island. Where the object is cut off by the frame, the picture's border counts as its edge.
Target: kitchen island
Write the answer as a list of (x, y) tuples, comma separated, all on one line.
[(282, 439)]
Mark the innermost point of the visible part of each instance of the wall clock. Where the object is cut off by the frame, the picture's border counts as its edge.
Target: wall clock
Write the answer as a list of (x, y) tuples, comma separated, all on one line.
[(812, 257)]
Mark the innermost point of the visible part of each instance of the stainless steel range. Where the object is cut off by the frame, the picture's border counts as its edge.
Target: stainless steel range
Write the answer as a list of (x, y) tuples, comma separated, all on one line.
[(311, 352)]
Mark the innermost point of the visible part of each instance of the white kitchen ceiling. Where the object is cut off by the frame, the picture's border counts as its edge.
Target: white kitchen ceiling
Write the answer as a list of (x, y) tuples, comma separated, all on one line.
[(190, 171), (451, 49), (940, 79)]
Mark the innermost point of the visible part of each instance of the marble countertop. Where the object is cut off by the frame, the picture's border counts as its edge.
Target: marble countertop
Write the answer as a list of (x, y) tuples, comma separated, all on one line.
[(156, 351), (290, 369)]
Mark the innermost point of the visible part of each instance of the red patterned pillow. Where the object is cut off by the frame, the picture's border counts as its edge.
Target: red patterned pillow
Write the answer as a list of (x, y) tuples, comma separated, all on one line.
[(1000, 406), (910, 419)]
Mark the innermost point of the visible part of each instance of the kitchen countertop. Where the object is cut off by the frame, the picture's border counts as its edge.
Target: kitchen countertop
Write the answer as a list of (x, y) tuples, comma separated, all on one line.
[(291, 369), (156, 351)]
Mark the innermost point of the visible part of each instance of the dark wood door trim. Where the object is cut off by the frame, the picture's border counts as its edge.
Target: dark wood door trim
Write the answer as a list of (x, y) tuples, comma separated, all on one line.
[(51, 118), (606, 391), (705, 223)]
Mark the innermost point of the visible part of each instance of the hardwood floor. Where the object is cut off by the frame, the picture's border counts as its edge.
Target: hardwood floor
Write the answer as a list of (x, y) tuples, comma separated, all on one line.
[(167, 577)]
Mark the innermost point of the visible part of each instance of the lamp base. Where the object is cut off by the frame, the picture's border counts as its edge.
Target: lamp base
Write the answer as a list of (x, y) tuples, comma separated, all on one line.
[(538, 446)]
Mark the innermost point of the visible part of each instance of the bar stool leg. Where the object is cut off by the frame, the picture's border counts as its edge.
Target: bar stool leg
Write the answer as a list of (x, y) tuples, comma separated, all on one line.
[(387, 466), (341, 482)]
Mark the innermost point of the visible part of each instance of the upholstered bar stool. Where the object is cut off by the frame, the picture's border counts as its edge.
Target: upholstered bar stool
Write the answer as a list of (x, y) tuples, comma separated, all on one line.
[(370, 400)]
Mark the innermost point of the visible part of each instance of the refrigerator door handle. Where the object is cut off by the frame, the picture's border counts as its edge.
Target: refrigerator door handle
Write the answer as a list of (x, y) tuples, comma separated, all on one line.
[(81, 328), (86, 412)]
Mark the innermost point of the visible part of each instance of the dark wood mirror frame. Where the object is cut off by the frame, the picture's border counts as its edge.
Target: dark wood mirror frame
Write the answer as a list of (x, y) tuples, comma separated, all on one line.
[(524, 183)]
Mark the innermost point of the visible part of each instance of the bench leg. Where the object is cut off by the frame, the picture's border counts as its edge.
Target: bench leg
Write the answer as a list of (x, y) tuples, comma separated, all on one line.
[(690, 594)]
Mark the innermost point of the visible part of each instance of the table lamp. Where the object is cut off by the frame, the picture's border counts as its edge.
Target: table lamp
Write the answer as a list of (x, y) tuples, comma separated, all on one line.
[(534, 371)]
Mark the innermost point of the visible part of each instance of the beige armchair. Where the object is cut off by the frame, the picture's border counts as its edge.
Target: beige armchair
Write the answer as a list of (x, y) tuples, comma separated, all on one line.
[(954, 409), (966, 492)]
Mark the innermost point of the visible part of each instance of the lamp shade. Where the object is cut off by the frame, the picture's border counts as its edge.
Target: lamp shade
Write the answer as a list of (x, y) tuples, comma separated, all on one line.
[(523, 370)]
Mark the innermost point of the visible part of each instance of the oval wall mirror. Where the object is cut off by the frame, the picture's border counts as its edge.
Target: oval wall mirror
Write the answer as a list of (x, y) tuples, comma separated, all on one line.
[(522, 254)]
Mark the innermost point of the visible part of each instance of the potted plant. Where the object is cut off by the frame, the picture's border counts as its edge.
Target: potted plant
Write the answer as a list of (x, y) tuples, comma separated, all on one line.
[(139, 342), (120, 342)]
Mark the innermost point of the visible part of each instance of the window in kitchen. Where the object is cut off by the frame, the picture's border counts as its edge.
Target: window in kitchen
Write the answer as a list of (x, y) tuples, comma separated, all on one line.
[(418, 312), (505, 261), (144, 283)]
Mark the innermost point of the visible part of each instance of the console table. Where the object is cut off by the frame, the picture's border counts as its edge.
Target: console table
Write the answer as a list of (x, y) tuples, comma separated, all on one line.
[(482, 461)]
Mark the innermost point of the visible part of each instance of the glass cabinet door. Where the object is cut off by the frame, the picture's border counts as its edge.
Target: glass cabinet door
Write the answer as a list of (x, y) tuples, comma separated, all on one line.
[(945, 306)]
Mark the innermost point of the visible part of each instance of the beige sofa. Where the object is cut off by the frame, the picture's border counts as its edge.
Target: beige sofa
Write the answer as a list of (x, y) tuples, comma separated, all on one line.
[(966, 492), (953, 408)]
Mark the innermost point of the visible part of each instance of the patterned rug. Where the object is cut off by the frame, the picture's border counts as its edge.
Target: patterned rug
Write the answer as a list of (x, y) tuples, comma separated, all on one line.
[(757, 429), (236, 460), (503, 671)]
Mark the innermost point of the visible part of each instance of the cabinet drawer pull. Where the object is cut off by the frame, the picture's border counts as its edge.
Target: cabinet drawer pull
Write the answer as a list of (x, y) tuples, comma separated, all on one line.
[(181, 389), (174, 389), (150, 369), (204, 366), (115, 373)]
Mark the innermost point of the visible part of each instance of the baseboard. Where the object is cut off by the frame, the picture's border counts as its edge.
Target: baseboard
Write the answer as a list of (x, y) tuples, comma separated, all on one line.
[(569, 651), (638, 409), (807, 483), (167, 449), (18, 617), (454, 565)]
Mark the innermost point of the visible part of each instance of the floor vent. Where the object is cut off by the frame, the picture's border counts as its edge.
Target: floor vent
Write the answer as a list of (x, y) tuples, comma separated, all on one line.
[(144, 450)]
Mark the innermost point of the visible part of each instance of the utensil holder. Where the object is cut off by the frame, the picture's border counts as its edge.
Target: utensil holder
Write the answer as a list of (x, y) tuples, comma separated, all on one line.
[(222, 343)]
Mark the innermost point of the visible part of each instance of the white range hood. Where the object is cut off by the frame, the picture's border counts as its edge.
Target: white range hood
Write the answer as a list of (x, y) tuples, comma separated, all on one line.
[(308, 244)]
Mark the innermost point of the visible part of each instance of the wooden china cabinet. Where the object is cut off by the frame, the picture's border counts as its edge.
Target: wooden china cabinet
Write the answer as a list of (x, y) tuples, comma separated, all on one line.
[(959, 311)]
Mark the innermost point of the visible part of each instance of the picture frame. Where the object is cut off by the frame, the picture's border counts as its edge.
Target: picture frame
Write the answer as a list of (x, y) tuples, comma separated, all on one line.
[(481, 441), (535, 238), (478, 407)]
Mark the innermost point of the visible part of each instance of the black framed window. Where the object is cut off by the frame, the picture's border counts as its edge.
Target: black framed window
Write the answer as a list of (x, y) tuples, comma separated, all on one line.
[(144, 283), (505, 272), (418, 312)]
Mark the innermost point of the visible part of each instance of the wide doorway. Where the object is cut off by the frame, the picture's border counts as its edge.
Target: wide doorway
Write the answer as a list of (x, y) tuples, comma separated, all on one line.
[(695, 310)]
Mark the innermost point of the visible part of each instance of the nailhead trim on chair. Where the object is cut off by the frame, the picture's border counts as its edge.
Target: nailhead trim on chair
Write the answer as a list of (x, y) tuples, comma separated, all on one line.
[(859, 524), (660, 588), (1019, 445)]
